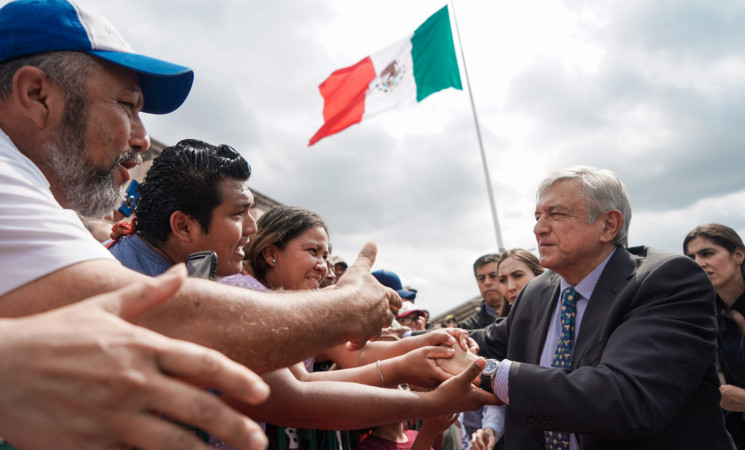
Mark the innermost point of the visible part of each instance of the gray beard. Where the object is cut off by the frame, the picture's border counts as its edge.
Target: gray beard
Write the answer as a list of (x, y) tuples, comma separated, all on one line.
[(90, 191)]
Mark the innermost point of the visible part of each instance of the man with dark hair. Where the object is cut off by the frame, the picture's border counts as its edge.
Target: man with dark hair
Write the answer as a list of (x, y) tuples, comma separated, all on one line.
[(210, 182), (485, 271), (71, 94), (612, 347), (492, 309), (195, 197)]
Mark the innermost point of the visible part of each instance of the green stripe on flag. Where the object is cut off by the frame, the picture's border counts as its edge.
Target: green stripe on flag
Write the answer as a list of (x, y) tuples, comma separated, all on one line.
[(433, 54)]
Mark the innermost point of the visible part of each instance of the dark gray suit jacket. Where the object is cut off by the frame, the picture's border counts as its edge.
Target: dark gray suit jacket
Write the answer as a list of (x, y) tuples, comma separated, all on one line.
[(644, 374)]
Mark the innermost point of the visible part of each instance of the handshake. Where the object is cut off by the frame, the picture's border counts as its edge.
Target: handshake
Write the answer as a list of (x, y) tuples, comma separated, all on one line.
[(462, 360), (445, 363)]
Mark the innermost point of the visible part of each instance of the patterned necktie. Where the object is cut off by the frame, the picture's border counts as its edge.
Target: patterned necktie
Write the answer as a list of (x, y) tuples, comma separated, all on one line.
[(563, 357)]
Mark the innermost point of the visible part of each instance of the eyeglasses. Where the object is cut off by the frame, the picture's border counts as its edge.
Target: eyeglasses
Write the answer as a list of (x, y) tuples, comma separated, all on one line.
[(410, 318)]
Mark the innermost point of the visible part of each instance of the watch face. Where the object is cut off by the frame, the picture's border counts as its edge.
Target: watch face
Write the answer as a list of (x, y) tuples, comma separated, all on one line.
[(491, 366)]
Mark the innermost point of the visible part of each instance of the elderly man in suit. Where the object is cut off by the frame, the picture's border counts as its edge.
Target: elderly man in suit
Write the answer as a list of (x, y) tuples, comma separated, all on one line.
[(611, 347)]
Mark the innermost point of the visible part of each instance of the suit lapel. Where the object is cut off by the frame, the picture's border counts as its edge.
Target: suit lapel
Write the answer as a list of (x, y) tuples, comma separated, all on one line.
[(613, 280), (544, 310)]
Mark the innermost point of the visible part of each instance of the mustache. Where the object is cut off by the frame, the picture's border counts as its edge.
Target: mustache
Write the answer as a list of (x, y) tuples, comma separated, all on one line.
[(130, 156), (108, 173)]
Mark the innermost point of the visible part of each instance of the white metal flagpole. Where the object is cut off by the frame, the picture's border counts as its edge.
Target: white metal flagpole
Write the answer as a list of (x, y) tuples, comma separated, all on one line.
[(478, 135)]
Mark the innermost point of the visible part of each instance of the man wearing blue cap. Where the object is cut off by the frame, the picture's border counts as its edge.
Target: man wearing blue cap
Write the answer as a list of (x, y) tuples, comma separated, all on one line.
[(71, 94), (391, 280)]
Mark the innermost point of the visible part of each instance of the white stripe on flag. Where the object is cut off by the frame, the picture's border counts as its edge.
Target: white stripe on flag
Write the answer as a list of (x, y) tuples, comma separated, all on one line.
[(394, 86)]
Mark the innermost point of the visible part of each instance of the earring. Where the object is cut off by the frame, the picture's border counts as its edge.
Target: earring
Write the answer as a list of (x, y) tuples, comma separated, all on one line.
[(274, 261)]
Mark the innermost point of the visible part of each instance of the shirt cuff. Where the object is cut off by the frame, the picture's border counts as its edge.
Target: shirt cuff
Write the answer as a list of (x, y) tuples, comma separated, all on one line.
[(502, 380)]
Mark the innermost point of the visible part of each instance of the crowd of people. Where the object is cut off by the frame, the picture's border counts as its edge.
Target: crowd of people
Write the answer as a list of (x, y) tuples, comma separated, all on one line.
[(271, 341)]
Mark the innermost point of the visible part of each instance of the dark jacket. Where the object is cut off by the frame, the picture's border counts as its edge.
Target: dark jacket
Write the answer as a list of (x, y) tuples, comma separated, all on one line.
[(477, 320), (643, 375)]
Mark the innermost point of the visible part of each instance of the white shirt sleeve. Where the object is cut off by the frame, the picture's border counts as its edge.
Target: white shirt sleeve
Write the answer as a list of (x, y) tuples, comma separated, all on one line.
[(37, 236), (494, 418)]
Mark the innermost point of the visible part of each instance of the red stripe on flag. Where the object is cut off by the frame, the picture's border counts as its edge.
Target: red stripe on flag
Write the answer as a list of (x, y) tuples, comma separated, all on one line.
[(343, 94)]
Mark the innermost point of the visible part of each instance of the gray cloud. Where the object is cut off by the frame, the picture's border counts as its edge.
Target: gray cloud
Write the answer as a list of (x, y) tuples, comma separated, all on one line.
[(670, 138), (661, 107)]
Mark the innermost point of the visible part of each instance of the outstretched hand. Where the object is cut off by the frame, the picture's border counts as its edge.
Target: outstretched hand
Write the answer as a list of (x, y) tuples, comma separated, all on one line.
[(466, 343), (483, 439), (375, 303), (80, 376), (419, 367), (459, 394)]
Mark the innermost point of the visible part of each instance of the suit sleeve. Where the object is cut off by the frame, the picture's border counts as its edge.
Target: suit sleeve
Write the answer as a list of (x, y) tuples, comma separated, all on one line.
[(492, 339), (470, 322), (651, 354)]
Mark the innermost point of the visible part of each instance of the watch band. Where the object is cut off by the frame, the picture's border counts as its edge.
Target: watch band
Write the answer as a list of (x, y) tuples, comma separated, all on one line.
[(487, 378), (486, 383)]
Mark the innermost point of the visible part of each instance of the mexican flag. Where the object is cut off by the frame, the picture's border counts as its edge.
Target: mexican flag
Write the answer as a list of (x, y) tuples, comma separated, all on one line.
[(400, 75)]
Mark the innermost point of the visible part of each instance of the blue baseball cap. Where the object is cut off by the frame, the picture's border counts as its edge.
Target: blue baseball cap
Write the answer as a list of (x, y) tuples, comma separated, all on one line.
[(391, 280), (39, 26)]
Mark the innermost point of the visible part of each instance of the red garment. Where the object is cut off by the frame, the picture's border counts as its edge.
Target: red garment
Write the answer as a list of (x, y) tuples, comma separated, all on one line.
[(375, 443)]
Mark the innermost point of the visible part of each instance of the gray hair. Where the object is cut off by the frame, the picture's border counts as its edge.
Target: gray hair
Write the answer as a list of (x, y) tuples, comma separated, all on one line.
[(68, 69), (602, 191)]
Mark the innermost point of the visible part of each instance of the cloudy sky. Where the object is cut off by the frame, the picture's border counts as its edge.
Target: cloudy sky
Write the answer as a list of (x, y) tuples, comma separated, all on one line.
[(653, 90)]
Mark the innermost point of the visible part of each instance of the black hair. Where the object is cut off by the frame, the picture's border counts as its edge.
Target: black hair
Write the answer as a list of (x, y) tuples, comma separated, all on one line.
[(484, 260), (186, 177)]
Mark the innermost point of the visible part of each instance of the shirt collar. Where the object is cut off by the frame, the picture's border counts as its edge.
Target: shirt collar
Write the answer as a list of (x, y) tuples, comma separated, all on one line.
[(587, 285), (489, 310)]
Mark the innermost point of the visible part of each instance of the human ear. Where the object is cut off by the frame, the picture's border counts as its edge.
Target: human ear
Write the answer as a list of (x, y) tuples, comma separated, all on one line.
[(270, 255), (612, 221), (739, 255), (34, 94), (182, 226)]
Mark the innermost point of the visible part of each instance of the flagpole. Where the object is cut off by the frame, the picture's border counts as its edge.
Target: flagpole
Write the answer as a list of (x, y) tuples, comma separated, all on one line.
[(478, 135)]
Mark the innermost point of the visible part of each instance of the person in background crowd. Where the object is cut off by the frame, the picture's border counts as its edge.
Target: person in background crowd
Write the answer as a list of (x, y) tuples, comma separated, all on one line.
[(340, 266), (493, 309), (515, 268), (330, 278), (719, 250), (411, 316), (427, 325), (611, 347), (450, 321), (493, 304), (391, 280)]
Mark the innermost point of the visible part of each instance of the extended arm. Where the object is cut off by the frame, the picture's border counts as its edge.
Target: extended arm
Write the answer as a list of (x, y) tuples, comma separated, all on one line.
[(417, 367), (245, 325), (81, 377), (348, 406), (379, 350)]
